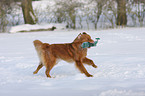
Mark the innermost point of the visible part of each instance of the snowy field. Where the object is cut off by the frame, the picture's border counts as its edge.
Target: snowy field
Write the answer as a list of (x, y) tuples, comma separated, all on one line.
[(119, 55)]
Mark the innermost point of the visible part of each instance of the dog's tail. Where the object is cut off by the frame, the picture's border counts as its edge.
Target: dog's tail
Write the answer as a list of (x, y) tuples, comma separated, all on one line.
[(37, 43), (40, 46), (42, 51)]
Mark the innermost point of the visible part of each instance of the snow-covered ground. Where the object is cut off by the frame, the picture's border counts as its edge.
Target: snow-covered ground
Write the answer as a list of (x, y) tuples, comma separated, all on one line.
[(119, 55)]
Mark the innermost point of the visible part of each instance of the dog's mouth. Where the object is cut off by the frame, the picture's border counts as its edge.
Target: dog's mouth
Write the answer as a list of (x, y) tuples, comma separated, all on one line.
[(91, 42)]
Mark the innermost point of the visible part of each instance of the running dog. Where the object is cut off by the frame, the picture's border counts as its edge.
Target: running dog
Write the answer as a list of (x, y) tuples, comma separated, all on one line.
[(50, 54)]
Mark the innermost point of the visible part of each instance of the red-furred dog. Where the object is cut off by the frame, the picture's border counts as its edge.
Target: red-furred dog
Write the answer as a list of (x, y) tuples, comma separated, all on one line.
[(70, 52)]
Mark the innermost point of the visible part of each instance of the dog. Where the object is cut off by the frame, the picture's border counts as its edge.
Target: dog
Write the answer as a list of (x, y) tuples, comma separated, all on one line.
[(49, 54)]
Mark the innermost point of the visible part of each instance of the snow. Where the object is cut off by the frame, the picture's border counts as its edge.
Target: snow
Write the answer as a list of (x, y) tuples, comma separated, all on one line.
[(119, 55)]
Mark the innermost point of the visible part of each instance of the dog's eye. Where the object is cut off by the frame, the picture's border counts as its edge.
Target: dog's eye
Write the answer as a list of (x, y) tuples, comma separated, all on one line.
[(84, 33)]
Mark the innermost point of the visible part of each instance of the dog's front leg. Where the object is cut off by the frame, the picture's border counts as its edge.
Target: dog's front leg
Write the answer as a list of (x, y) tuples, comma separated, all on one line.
[(89, 62), (82, 68), (38, 68)]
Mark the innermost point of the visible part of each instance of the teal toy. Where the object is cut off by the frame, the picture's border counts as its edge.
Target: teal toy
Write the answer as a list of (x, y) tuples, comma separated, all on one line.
[(88, 44)]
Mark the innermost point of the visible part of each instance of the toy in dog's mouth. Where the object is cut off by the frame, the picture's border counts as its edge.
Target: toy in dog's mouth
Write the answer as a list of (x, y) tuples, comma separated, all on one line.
[(88, 44)]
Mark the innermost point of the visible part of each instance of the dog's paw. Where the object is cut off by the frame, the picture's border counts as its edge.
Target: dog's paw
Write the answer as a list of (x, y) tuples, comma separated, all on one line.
[(35, 72), (94, 66), (89, 75)]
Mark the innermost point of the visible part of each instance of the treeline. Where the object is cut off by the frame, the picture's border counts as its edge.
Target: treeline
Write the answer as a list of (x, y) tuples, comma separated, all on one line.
[(76, 14)]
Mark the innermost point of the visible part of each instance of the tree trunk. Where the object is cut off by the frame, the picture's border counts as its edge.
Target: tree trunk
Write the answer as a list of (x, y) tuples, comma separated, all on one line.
[(100, 6), (121, 12), (28, 13), (73, 18)]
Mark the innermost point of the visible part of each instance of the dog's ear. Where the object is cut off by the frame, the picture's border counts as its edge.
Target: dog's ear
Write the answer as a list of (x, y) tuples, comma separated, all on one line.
[(79, 36)]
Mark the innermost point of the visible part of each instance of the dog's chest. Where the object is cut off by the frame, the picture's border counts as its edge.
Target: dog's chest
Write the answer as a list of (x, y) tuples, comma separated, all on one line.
[(82, 52)]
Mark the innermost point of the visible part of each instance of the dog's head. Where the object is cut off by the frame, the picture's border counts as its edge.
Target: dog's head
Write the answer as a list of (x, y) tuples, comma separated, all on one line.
[(84, 37)]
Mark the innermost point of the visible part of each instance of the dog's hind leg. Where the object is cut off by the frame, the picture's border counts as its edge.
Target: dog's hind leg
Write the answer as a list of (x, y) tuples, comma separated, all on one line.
[(49, 66), (49, 61), (89, 62), (82, 68), (47, 72), (38, 68)]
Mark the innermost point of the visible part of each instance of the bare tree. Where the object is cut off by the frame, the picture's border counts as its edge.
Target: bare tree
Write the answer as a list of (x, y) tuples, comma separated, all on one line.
[(5, 8), (121, 12), (28, 13), (68, 7), (97, 11)]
